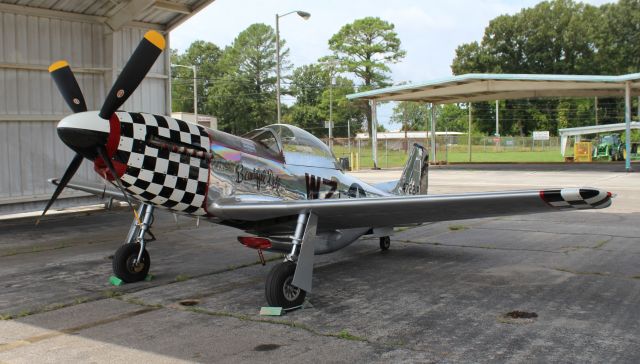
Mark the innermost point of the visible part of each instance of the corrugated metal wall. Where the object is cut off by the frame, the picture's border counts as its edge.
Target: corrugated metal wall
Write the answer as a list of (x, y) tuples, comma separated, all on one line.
[(30, 104)]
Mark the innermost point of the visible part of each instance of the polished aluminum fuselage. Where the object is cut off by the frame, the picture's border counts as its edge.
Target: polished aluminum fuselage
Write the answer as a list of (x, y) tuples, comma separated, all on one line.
[(244, 176)]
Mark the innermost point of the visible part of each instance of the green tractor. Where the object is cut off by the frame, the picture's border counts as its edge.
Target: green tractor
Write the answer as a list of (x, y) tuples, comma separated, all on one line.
[(610, 148)]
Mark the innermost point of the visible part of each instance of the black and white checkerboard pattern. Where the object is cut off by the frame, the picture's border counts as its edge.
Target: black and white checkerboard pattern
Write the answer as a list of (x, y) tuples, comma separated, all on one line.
[(157, 175), (579, 198)]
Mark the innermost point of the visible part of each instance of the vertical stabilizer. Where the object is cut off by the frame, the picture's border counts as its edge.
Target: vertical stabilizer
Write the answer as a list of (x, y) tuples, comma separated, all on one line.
[(414, 179)]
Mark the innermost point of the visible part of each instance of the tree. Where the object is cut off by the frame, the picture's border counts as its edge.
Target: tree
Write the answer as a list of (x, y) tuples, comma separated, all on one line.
[(453, 117), (555, 37), (410, 115), (344, 111), (308, 82), (244, 98), (310, 86), (205, 56), (365, 48), (618, 38)]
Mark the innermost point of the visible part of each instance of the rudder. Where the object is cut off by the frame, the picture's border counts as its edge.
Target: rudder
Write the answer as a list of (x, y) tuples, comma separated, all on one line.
[(414, 179)]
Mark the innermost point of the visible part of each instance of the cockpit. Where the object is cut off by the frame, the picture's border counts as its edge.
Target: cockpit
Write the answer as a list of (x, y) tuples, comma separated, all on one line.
[(298, 146)]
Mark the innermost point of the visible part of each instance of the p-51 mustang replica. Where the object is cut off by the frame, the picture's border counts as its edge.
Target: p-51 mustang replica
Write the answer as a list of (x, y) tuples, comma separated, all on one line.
[(278, 183)]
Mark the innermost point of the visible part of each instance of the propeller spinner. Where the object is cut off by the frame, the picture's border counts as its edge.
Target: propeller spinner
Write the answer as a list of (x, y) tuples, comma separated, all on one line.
[(87, 132)]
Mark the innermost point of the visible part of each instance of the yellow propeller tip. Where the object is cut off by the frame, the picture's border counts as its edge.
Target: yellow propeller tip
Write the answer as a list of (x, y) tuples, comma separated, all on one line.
[(57, 65), (155, 38)]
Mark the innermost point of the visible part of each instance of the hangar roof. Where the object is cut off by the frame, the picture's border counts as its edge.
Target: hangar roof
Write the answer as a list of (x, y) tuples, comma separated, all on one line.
[(474, 87), (160, 14)]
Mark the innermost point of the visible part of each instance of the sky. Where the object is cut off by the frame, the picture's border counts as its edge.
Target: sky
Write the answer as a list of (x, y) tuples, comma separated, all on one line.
[(429, 30)]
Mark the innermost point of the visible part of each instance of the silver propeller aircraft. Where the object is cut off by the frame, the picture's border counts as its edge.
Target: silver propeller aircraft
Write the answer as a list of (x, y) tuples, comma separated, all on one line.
[(278, 183)]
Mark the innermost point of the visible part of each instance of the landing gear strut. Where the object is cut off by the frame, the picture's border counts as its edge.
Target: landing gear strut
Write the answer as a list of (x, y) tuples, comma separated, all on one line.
[(279, 290), (131, 262)]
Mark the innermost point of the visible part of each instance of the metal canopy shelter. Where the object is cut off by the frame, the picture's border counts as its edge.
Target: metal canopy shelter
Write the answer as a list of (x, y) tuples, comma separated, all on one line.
[(477, 87)]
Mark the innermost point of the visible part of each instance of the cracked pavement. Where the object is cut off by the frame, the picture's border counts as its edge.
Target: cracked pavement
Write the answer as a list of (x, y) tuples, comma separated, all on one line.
[(439, 295)]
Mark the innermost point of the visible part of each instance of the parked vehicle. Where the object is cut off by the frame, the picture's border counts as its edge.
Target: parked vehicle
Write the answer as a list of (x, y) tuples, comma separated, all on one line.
[(610, 147)]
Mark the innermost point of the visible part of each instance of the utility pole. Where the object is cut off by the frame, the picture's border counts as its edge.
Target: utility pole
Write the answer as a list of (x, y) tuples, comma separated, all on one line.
[(278, 66), (304, 15), (331, 109)]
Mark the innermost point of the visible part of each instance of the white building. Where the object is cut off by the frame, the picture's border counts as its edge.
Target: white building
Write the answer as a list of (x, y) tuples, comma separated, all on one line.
[(207, 121)]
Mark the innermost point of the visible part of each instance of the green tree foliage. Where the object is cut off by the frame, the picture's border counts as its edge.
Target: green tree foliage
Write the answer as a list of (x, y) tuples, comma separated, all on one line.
[(310, 85), (244, 98), (452, 117), (365, 48), (344, 110), (308, 82), (554, 37), (411, 116), (417, 116), (205, 56)]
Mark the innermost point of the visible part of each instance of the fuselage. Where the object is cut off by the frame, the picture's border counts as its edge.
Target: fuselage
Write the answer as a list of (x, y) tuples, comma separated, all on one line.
[(185, 168)]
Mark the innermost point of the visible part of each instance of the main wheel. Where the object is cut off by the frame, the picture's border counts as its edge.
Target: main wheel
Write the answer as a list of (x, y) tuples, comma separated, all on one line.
[(124, 266), (279, 290), (385, 243)]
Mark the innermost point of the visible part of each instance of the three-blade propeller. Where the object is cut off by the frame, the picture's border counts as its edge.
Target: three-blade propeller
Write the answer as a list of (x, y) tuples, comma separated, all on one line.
[(129, 79)]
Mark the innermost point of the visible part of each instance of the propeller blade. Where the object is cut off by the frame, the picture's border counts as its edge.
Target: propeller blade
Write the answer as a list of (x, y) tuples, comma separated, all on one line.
[(134, 72), (71, 170), (102, 152), (68, 85)]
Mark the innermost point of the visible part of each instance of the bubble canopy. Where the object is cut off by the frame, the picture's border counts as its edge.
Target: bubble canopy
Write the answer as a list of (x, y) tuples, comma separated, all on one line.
[(298, 146)]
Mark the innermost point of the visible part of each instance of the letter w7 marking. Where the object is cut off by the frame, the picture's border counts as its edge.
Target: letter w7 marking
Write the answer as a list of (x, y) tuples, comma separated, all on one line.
[(313, 184)]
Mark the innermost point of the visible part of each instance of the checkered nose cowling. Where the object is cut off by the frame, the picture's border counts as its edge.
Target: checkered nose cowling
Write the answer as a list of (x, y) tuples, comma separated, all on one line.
[(171, 174), (578, 198)]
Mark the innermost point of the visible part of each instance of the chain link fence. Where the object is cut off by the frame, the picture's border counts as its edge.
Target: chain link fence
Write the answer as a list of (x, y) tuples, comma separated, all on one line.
[(449, 149)]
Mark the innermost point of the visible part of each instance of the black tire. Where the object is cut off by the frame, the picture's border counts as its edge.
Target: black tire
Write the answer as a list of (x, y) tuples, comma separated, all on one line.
[(278, 289), (123, 266), (385, 243)]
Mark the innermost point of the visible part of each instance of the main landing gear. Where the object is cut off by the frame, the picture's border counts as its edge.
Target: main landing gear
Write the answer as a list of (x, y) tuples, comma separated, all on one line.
[(131, 262), (279, 288), (385, 243)]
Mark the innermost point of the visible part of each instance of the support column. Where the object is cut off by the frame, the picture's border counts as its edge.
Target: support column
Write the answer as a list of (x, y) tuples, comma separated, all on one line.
[(432, 157), (469, 133), (596, 108), (627, 120), (497, 118), (374, 133)]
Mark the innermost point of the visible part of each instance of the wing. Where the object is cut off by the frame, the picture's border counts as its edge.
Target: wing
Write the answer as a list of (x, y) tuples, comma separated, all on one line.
[(403, 210), (96, 190)]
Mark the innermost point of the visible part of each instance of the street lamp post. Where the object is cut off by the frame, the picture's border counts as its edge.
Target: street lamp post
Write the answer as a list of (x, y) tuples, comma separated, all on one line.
[(195, 89), (304, 15)]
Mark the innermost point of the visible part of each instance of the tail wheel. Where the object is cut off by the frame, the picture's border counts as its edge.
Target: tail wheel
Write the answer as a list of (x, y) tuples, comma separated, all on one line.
[(279, 290), (125, 266), (385, 243)]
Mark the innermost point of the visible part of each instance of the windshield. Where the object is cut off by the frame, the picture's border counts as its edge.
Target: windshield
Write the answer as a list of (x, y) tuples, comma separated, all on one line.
[(266, 141)]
